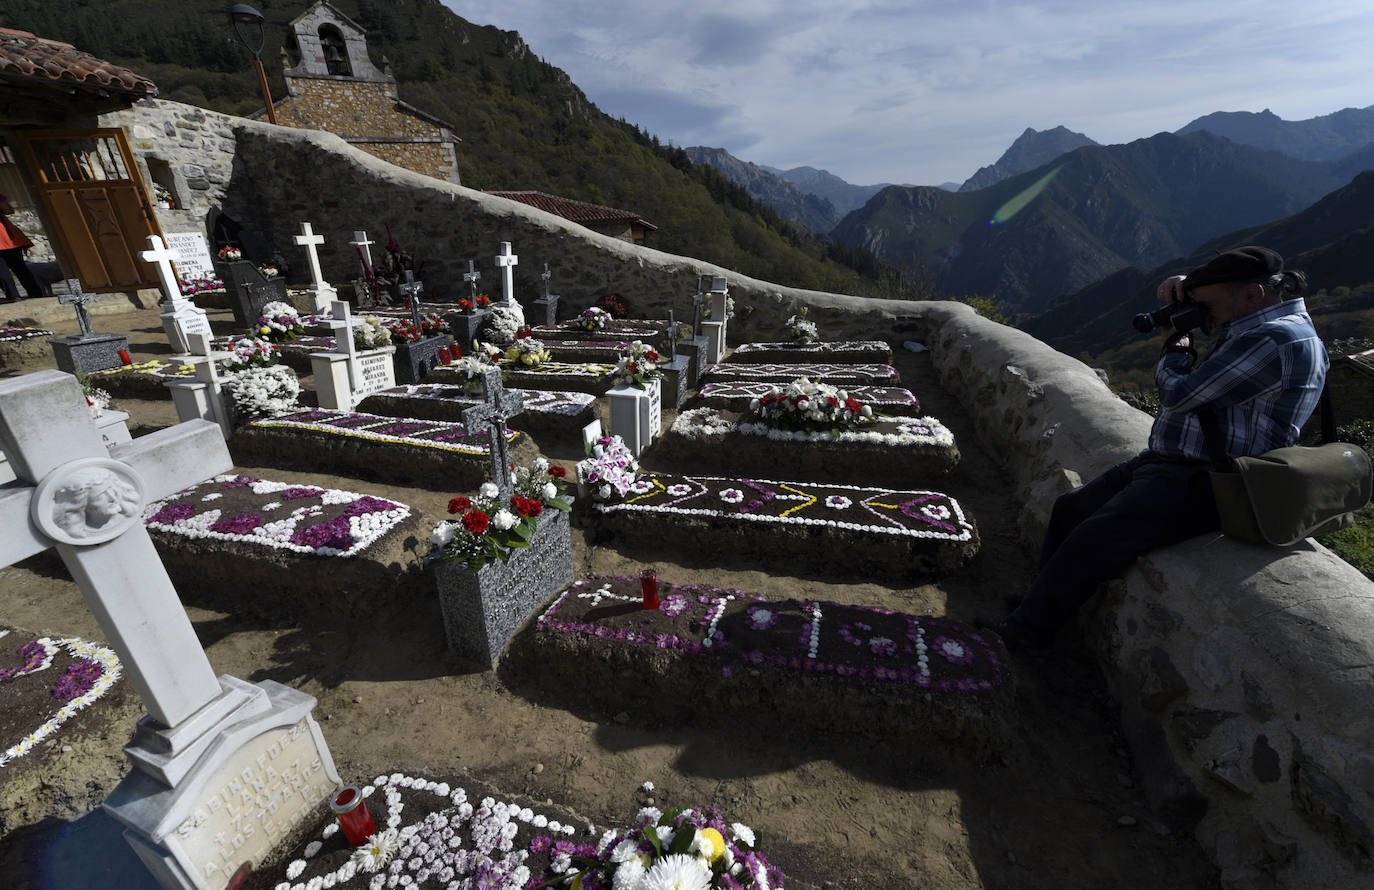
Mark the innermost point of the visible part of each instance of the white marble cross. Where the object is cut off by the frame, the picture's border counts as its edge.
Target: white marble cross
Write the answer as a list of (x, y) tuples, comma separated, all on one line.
[(341, 320), (88, 502), (361, 242), (309, 240), (498, 404), (167, 278), (471, 276), (507, 261)]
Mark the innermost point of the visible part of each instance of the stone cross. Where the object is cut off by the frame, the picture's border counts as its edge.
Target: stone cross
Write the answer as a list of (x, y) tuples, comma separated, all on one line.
[(497, 405), (672, 337), (698, 304), (341, 321), (507, 261), (471, 276), (87, 502), (310, 241), (361, 243), (411, 292), (75, 296), (548, 301), (167, 279)]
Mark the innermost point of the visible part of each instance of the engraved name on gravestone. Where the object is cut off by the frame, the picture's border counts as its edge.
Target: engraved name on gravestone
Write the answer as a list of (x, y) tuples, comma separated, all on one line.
[(373, 372), (191, 255)]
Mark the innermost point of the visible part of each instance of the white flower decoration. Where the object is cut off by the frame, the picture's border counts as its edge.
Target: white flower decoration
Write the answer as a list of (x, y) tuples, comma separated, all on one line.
[(678, 491), (838, 502), (732, 495)]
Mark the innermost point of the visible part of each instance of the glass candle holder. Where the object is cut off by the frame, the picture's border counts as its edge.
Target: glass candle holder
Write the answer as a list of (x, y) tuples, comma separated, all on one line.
[(353, 816), (648, 585), (444, 355), (125, 357)]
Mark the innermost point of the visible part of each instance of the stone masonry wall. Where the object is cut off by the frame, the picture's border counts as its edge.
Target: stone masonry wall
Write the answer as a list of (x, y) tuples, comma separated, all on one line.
[(430, 158), (352, 109)]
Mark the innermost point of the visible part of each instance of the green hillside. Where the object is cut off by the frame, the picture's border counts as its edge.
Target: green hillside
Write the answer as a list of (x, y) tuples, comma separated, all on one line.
[(523, 123)]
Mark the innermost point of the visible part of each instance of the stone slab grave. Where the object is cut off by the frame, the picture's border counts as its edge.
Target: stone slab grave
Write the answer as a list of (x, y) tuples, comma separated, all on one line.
[(250, 290), (19, 343), (829, 529), (203, 737), (893, 401), (415, 358), (87, 351), (676, 368), (47, 685), (347, 374), (467, 324), (548, 303), (321, 294), (821, 372), (858, 352), (891, 451), (650, 331), (548, 415), (822, 667), (179, 315), (244, 544), (429, 452), (587, 377), (483, 609)]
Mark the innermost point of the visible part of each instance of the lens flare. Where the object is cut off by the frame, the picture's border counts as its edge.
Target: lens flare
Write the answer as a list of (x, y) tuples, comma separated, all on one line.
[(1023, 197)]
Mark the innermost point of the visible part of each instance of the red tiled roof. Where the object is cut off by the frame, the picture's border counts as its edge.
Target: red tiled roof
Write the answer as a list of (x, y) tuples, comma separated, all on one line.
[(24, 56), (577, 211)]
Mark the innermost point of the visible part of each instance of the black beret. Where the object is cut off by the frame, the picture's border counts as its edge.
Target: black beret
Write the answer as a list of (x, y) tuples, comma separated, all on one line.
[(1242, 264)]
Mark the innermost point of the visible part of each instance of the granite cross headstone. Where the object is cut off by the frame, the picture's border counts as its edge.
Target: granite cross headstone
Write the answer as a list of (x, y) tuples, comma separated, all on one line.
[(410, 290), (498, 404), (548, 301), (507, 261), (78, 298), (471, 276)]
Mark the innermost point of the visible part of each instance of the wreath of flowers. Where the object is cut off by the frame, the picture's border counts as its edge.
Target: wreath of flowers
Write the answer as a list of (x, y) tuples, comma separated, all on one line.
[(526, 352), (92, 674), (507, 319), (594, 318), (280, 322), (801, 330), (262, 391), (638, 365), (468, 306), (809, 405), (609, 468), (489, 527), (371, 334)]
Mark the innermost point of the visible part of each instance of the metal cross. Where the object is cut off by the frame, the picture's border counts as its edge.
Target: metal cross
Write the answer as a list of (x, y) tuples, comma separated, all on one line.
[(411, 291), (548, 301), (471, 277), (698, 303), (497, 405), (672, 337), (546, 275), (75, 296)]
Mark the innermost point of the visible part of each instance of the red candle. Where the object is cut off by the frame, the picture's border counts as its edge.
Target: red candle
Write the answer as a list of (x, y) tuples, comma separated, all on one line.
[(445, 356), (353, 816), (125, 357), (648, 585)]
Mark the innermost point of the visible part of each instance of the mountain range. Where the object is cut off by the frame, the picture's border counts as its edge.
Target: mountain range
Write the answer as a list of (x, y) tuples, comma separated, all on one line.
[(1031, 149), (808, 208), (1323, 138)]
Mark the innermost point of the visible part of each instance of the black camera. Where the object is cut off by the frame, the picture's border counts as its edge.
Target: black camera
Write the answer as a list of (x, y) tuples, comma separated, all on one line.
[(1182, 316)]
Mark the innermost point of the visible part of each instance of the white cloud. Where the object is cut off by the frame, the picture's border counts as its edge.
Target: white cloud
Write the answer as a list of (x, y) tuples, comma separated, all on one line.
[(925, 91)]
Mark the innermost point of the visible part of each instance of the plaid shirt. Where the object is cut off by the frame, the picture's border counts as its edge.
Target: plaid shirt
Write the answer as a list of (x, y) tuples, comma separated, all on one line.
[(1263, 377)]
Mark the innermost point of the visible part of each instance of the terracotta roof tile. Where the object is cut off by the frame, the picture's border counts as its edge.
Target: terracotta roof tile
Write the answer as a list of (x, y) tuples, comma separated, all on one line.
[(22, 55), (576, 211)]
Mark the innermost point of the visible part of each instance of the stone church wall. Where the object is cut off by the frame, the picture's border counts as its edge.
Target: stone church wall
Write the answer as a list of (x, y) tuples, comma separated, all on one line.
[(1245, 675)]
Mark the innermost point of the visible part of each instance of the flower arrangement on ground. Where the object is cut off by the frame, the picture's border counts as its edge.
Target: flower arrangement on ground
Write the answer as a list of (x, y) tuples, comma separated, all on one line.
[(638, 365), (404, 328), (268, 270), (615, 304), (527, 352), (800, 330), (201, 285), (468, 306), (471, 368), (252, 352), (609, 468), (489, 528), (262, 391), (683, 849), (229, 253), (505, 323), (804, 404), (371, 334), (280, 322), (594, 318)]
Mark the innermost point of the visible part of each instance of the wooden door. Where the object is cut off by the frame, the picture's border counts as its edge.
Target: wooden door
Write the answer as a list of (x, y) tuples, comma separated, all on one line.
[(93, 204)]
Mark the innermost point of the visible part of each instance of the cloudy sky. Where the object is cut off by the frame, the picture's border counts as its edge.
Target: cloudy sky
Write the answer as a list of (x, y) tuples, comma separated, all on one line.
[(924, 91)]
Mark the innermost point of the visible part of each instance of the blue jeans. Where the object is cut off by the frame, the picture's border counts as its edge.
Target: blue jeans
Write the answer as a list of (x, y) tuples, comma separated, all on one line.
[(1097, 530)]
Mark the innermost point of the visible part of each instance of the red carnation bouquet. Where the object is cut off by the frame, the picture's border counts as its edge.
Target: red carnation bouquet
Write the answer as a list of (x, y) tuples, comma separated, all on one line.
[(489, 527)]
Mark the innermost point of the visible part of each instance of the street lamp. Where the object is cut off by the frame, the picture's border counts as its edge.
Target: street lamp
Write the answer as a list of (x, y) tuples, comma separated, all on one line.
[(243, 14)]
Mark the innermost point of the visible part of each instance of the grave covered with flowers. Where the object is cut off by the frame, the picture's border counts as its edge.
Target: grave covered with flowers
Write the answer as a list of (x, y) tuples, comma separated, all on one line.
[(18, 343), (832, 351), (392, 448), (587, 377), (833, 373), (773, 663), (547, 414), (144, 380), (651, 331), (738, 396), (872, 532)]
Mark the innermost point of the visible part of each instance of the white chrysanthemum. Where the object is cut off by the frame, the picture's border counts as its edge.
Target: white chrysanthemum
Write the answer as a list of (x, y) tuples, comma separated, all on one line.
[(376, 851), (678, 871), (294, 870), (629, 876), (741, 832), (625, 851), (550, 491), (504, 520), (488, 490)]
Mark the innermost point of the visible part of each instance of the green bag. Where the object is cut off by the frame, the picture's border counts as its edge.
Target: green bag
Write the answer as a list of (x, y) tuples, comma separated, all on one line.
[(1285, 495)]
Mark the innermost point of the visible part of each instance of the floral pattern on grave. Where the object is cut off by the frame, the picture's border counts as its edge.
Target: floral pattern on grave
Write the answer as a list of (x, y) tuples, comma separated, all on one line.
[(537, 401), (281, 515), (153, 372), (206, 285), (808, 406), (920, 514), (708, 423), (387, 430), (9, 334), (490, 527), (737, 396), (825, 372), (832, 350), (858, 644), (44, 682)]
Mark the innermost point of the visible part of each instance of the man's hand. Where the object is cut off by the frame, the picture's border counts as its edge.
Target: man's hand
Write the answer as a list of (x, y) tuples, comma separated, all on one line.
[(1170, 289)]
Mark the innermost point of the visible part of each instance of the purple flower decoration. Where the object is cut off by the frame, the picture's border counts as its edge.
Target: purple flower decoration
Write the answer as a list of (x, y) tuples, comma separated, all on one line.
[(241, 524), (77, 679), (953, 651), (296, 492), (368, 504), (761, 617), (674, 604), (334, 534), (174, 513)]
